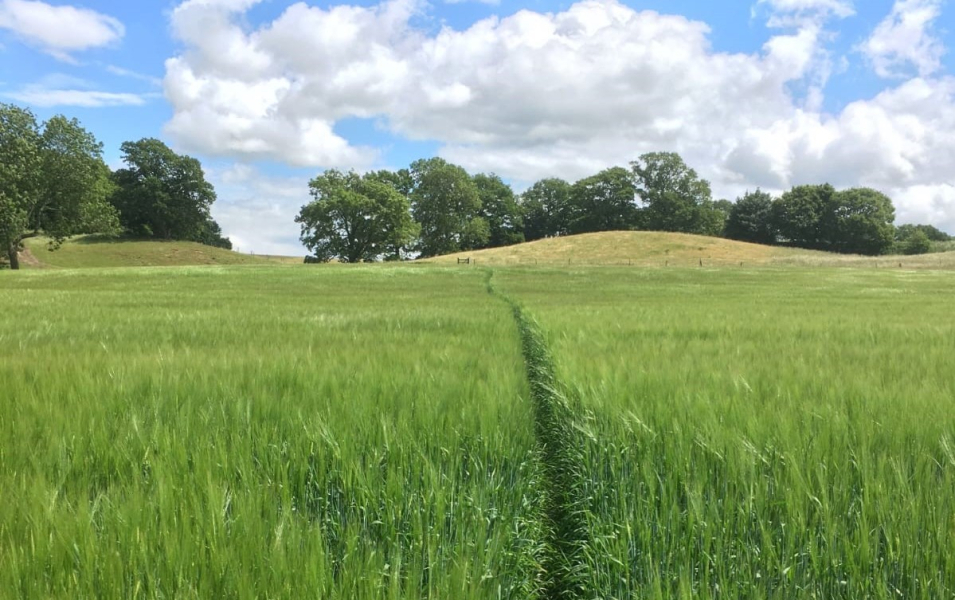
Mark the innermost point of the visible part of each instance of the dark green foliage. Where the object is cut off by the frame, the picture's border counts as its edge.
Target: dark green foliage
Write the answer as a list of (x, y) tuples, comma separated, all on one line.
[(798, 216), (20, 163), (854, 221), (500, 209), (355, 218), (672, 212), (675, 198), (859, 221), (547, 209), (162, 194), (447, 205), (75, 184), (918, 243), (919, 239), (904, 233), (751, 219), (211, 235), (604, 202), (52, 181), (400, 179), (660, 193)]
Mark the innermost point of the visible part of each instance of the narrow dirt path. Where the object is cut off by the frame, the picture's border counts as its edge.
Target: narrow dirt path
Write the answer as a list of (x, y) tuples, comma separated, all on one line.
[(27, 259)]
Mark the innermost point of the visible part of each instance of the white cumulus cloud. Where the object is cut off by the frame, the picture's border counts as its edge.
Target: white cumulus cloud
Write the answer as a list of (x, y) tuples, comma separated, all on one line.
[(59, 30), (564, 94), (257, 210), (904, 40)]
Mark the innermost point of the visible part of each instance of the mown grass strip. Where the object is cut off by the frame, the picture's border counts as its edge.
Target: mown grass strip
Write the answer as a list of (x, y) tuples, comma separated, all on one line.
[(564, 568)]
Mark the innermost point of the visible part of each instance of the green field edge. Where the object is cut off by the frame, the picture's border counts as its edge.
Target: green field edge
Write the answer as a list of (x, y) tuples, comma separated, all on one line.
[(567, 543)]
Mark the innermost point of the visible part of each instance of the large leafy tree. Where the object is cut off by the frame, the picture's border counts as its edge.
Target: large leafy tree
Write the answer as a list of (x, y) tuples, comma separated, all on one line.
[(799, 216), (500, 209), (546, 209), (711, 217), (162, 194), (751, 219), (52, 181), (604, 202), (447, 204), (918, 243), (674, 197), (355, 218), (860, 221)]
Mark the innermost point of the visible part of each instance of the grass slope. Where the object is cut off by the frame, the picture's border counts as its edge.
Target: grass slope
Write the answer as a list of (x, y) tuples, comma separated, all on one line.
[(658, 249), (91, 251)]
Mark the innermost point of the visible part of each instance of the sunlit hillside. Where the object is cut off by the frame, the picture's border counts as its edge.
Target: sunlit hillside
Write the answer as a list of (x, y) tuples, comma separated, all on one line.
[(652, 249), (91, 251)]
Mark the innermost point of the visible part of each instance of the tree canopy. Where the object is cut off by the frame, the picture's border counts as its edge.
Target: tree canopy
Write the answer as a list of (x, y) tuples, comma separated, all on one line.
[(52, 180), (162, 194), (751, 219), (918, 243), (931, 233), (355, 218), (604, 202), (546, 208), (857, 220), (500, 210), (447, 204), (798, 215), (675, 198), (660, 192)]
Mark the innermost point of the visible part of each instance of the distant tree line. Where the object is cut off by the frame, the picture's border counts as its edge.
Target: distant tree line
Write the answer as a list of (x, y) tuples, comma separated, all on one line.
[(818, 217), (54, 182), (435, 207), (921, 239)]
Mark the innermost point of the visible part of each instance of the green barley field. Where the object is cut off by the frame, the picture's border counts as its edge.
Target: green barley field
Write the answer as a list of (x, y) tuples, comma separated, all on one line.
[(263, 433), (758, 434), (458, 432)]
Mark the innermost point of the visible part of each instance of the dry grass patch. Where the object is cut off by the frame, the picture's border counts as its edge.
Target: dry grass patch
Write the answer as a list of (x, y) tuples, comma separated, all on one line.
[(659, 249)]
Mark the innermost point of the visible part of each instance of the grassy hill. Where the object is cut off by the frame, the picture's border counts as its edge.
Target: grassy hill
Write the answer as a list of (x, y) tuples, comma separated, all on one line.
[(93, 251), (637, 248), (651, 248)]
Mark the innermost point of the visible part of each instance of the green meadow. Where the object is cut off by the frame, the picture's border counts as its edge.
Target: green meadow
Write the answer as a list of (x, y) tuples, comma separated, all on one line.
[(458, 432)]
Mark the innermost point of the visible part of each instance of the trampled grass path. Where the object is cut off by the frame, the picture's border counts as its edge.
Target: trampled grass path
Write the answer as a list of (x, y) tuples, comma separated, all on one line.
[(567, 543)]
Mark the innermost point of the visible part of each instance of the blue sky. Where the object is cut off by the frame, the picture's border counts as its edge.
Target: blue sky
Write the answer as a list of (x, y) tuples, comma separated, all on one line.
[(267, 93)]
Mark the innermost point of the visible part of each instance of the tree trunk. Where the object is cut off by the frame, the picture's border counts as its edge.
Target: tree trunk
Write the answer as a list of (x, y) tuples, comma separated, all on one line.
[(14, 256)]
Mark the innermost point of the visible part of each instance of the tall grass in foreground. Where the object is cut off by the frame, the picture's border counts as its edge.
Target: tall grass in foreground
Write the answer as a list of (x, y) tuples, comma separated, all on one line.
[(760, 434), (263, 433)]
